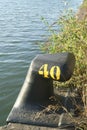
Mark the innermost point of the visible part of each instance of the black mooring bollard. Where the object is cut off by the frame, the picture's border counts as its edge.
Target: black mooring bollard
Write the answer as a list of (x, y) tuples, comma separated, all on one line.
[(38, 88)]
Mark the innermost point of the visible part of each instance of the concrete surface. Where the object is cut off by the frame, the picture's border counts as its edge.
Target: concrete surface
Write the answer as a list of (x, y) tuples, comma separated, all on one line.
[(15, 126)]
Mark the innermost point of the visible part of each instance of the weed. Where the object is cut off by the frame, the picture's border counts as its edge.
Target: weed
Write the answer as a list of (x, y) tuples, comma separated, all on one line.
[(71, 38)]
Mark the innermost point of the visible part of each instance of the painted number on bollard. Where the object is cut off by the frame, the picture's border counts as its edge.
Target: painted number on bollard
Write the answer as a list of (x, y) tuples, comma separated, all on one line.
[(54, 72)]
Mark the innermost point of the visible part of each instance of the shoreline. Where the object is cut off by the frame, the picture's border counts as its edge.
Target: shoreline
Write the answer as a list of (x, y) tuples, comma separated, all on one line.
[(81, 15)]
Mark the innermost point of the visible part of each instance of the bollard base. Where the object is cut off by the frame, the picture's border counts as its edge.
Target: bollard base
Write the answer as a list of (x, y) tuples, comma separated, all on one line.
[(46, 114)]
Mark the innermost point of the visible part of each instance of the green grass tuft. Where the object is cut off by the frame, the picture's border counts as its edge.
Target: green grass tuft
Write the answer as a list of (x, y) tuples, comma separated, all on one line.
[(71, 38)]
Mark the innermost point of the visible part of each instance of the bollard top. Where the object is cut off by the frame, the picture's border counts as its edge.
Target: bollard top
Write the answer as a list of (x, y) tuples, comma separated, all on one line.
[(59, 66)]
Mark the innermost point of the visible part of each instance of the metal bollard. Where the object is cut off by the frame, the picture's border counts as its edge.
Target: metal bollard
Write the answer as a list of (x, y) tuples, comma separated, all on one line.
[(37, 89)]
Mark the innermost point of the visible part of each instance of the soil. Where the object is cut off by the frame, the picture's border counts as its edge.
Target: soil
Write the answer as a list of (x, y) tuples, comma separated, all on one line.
[(82, 14)]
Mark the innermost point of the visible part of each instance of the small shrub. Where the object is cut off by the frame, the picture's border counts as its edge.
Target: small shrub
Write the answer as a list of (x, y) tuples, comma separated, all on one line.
[(71, 38)]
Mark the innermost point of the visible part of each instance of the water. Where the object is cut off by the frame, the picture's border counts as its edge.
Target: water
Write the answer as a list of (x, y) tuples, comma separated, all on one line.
[(21, 29)]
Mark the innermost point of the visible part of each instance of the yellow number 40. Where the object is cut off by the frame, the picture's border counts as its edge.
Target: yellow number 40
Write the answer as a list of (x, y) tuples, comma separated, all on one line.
[(54, 72)]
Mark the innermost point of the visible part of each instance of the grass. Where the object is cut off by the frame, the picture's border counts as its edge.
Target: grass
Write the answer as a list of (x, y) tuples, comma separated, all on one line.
[(84, 4), (72, 37)]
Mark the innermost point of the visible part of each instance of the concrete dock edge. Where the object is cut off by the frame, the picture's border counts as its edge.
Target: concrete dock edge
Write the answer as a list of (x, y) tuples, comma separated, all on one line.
[(15, 126)]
